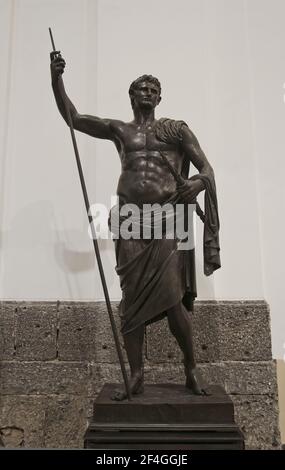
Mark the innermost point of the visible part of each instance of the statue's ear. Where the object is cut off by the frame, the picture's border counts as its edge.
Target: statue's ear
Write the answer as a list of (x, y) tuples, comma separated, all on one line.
[(159, 99)]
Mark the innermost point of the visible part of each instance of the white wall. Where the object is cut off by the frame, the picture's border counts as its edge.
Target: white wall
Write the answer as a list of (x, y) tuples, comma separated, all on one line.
[(267, 74), (45, 251), (221, 70)]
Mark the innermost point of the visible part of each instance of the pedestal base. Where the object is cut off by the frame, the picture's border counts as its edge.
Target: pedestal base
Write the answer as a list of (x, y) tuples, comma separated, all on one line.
[(166, 416)]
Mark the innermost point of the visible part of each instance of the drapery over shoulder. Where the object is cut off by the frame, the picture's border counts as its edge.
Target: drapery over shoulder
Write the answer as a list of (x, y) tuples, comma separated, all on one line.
[(170, 131)]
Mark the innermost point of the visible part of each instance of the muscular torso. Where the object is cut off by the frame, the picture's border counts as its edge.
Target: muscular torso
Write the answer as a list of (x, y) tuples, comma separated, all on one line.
[(145, 178)]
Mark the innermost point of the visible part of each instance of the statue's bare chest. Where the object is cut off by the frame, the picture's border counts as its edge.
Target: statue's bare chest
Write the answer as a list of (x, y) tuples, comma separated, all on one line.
[(138, 138)]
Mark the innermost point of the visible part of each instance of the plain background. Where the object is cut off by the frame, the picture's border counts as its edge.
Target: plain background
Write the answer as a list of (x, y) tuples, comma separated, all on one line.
[(222, 69)]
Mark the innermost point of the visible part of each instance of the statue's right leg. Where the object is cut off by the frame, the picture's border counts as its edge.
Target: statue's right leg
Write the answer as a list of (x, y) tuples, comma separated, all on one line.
[(134, 342)]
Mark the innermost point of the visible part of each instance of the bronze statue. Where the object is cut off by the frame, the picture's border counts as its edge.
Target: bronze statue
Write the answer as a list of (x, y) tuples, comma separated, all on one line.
[(156, 278)]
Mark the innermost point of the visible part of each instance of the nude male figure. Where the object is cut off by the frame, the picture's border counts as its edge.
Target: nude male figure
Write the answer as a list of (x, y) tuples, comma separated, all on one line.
[(145, 179)]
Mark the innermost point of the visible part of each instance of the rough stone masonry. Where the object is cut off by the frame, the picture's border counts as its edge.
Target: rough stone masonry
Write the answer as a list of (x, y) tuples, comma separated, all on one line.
[(55, 357)]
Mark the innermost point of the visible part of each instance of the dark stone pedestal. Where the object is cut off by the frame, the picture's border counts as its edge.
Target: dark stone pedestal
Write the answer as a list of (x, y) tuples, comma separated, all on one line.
[(166, 416)]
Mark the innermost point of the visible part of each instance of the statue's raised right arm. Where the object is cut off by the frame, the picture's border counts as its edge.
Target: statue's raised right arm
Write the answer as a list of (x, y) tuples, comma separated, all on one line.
[(92, 125)]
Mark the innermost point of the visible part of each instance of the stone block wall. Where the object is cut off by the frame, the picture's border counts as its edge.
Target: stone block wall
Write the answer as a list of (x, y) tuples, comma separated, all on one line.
[(55, 357)]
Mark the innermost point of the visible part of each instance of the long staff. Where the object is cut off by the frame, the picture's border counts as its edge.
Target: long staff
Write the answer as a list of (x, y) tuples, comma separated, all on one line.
[(95, 241)]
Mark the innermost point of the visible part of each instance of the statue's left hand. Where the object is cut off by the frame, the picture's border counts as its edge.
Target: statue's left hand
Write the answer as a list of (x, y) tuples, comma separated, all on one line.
[(189, 190)]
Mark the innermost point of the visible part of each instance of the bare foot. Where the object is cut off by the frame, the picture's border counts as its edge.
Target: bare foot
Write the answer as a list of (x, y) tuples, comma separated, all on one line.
[(193, 382), (136, 386)]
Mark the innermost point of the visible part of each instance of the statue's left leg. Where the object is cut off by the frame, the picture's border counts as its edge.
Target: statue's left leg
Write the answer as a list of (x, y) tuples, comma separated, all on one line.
[(180, 324)]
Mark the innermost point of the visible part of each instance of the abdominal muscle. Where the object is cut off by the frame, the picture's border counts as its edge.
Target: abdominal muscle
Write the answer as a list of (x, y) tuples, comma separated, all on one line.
[(145, 181)]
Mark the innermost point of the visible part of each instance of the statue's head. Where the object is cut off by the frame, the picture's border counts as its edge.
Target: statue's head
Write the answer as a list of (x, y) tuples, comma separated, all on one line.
[(145, 92)]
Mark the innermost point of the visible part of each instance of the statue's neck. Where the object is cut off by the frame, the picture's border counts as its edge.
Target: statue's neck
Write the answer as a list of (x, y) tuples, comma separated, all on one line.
[(144, 117)]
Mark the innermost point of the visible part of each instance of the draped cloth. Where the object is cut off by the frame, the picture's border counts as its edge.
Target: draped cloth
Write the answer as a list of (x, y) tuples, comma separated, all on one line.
[(170, 131), (154, 274)]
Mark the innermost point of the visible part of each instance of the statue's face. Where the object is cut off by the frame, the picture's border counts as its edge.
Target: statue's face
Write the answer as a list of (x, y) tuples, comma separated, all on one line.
[(146, 95)]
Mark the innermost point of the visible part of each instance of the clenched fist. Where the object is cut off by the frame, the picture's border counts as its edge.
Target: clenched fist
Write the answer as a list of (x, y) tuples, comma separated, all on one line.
[(57, 65), (189, 190)]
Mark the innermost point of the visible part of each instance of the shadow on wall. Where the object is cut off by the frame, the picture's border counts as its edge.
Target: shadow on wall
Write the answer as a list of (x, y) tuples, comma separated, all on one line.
[(39, 231), (72, 259)]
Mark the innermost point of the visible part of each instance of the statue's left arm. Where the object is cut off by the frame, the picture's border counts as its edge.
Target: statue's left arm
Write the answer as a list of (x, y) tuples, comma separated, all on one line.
[(192, 187), (192, 150)]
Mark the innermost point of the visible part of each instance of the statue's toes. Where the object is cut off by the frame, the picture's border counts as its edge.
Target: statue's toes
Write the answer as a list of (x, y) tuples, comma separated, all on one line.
[(119, 395)]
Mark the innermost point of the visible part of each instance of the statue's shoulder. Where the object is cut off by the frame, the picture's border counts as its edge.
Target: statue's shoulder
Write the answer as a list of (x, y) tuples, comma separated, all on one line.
[(169, 130), (168, 121), (119, 128), (117, 124)]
